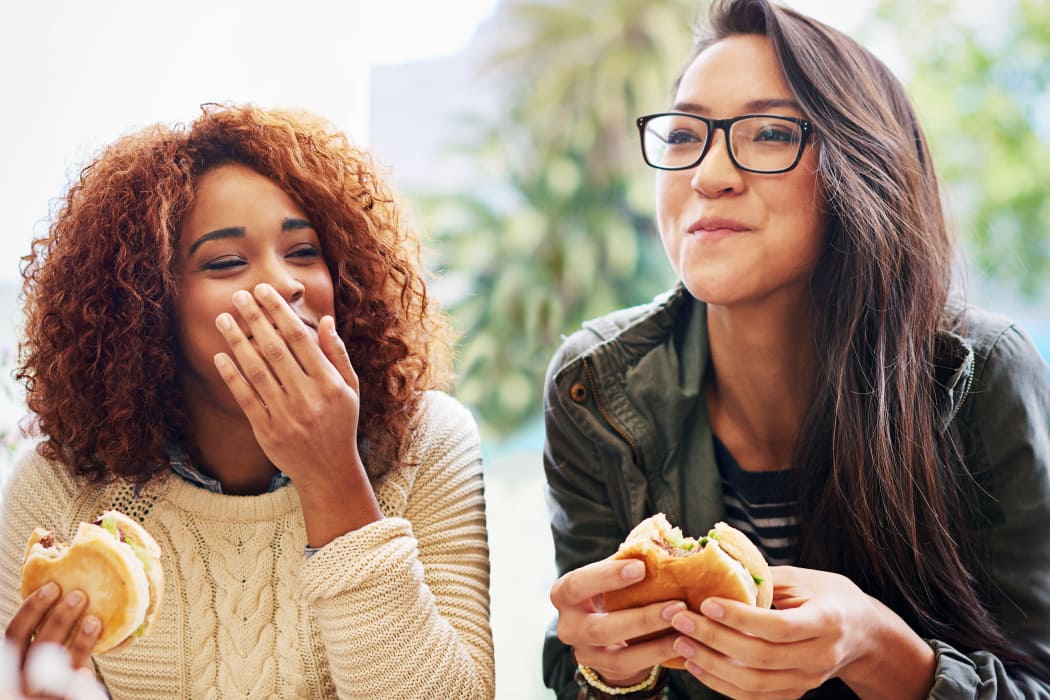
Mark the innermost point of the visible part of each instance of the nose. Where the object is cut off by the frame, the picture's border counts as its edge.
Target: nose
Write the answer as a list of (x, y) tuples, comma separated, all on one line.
[(279, 275), (716, 175)]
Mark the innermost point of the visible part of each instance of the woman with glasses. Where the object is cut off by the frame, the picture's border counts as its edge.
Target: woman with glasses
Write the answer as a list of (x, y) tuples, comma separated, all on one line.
[(811, 382), (229, 338)]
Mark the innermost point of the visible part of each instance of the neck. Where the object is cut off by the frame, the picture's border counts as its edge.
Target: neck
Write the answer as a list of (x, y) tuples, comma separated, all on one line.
[(228, 450), (763, 372)]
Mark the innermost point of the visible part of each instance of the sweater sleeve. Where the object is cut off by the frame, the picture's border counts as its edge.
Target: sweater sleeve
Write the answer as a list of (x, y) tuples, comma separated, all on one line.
[(36, 495), (1008, 417), (403, 604)]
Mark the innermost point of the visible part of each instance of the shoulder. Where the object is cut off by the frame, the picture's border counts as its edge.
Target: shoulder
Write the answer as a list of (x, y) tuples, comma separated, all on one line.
[(1002, 349), (441, 414), (38, 480), (443, 459), (636, 323), (446, 434)]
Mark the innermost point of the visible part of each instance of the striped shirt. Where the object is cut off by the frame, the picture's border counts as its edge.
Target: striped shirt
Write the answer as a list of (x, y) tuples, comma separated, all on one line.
[(762, 505)]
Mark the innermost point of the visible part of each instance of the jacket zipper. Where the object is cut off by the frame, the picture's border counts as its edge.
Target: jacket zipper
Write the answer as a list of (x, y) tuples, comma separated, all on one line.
[(635, 453), (965, 393)]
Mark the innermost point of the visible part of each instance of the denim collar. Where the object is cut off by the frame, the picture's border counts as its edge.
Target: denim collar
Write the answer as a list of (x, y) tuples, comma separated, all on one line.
[(181, 466)]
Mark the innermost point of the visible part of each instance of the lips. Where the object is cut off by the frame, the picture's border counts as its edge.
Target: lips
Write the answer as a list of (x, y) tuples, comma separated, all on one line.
[(714, 224)]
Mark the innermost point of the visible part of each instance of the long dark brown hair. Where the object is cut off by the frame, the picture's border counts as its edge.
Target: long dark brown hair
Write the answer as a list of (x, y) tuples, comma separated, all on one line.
[(882, 495)]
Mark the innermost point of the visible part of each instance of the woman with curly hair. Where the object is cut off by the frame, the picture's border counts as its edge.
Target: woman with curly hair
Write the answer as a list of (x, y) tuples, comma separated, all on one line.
[(229, 338)]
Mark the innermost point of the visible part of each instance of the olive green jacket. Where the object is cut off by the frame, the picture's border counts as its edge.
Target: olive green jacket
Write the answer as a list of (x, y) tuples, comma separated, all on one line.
[(628, 435)]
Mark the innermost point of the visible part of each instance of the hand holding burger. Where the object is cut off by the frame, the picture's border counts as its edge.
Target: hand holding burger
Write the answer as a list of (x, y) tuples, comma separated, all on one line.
[(724, 564), (114, 562)]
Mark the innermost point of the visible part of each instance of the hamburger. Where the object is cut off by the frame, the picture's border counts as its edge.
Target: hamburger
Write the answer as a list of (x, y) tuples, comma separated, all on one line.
[(724, 563), (115, 562)]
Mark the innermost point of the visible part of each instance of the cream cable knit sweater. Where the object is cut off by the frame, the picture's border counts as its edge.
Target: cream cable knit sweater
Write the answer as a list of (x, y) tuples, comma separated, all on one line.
[(397, 609)]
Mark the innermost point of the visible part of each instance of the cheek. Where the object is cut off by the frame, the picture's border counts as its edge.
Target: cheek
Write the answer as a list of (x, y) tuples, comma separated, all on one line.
[(195, 320), (320, 291), (671, 192), (665, 195)]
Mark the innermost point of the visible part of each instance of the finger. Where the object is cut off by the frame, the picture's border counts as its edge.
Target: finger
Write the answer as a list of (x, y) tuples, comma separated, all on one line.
[(58, 627), (30, 614), (84, 639), (743, 645), (779, 626), (736, 680), (335, 350), (267, 344), (243, 392), (625, 661), (294, 335), (584, 584), (603, 629), (720, 685), (253, 368)]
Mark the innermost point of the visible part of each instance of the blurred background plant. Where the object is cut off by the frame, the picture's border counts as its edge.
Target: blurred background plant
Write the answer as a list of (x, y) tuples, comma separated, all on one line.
[(559, 226), (981, 82), (571, 235)]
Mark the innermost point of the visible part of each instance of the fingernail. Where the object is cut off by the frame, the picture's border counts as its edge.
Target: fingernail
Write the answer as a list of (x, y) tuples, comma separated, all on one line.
[(49, 590), (335, 332), (263, 290), (683, 623), (225, 321), (693, 668), (684, 648), (74, 599), (89, 625), (241, 297), (712, 609), (632, 571), (220, 361), (671, 610)]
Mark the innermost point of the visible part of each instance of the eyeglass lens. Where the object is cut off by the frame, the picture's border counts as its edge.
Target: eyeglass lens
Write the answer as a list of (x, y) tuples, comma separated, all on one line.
[(759, 143)]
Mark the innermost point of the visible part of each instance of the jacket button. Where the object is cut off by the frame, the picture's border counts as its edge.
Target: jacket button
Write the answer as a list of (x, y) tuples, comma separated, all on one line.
[(578, 392)]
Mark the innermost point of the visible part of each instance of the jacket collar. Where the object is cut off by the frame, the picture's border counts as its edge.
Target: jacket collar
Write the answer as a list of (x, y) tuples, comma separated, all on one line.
[(954, 356)]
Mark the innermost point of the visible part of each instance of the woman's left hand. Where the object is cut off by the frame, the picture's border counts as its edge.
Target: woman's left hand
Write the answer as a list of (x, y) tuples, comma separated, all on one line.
[(823, 627), (302, 398)]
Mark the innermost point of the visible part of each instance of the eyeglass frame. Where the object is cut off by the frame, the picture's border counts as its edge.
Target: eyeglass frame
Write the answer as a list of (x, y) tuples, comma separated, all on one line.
[(725, 125)]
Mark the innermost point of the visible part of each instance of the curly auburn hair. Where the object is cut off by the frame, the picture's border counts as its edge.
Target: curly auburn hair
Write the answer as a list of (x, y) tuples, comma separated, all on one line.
[(100, 350)]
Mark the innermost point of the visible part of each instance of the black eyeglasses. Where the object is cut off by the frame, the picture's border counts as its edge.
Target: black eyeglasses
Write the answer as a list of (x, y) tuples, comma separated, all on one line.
[(757, 143)]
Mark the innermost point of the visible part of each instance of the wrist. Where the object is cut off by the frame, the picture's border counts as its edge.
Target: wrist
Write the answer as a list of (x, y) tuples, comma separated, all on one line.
[(594, 687), (337, 508), (895, 663)]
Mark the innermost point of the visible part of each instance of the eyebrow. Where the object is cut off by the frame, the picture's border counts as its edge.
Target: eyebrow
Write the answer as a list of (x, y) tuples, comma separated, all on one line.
[(752, 106), (240, 232)]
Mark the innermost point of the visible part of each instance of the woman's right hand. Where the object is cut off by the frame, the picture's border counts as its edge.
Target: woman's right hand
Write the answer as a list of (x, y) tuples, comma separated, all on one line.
[(51, 617), (599, 638)]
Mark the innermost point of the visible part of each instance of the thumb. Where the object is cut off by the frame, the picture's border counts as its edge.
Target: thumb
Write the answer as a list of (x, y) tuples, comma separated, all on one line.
[(335, 350)]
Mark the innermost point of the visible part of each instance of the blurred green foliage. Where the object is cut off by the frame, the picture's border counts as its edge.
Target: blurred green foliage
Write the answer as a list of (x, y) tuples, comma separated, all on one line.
[(560, 228), (981, 85), (568, 232)]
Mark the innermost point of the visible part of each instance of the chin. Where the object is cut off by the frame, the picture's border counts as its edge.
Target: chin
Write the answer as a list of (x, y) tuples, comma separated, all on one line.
[(712, 286)]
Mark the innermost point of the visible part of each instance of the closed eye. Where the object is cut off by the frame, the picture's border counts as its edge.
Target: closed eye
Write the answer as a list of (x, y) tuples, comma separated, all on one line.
[(308, 252), (223, 264)]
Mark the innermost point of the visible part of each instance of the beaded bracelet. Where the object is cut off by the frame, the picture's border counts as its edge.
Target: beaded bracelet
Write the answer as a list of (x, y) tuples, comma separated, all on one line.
[(588, 675)]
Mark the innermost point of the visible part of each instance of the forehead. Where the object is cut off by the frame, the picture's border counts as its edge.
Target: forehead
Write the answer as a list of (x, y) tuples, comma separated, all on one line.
[(731, 72), (234, 195)]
